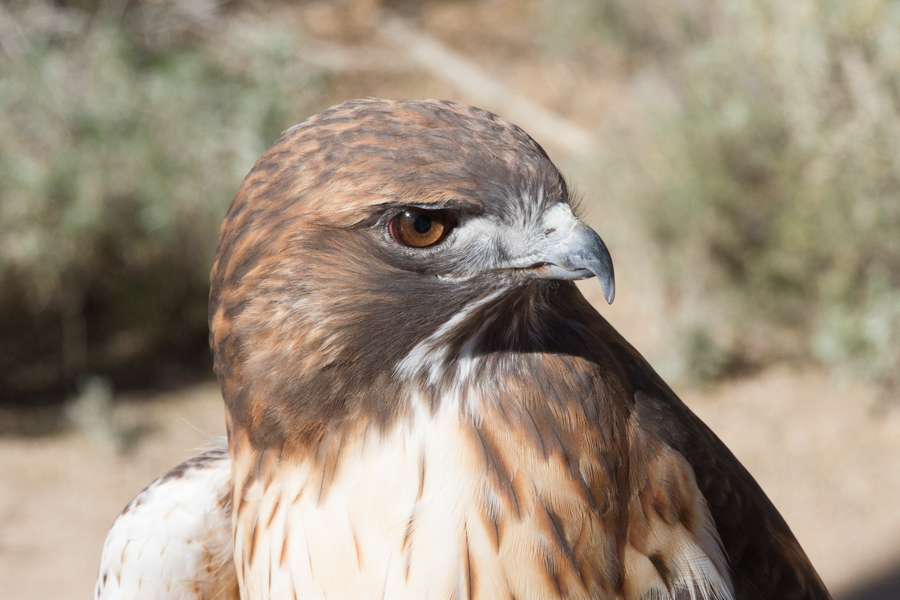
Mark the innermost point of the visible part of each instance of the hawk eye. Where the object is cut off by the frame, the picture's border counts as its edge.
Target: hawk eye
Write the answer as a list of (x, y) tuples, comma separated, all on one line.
[(419, 227)]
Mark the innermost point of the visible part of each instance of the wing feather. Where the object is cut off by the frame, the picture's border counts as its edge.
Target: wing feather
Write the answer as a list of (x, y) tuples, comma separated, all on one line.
[(173, 541), (763, 556)]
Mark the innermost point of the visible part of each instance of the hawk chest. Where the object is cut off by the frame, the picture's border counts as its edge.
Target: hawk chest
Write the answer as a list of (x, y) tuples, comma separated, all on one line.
[(439, 506)]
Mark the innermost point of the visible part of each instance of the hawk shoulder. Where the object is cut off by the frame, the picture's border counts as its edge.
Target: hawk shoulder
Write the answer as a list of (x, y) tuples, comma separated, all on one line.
[(173, 541)]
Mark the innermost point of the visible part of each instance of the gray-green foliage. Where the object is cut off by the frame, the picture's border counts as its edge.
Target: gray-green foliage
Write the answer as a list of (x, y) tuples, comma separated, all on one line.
[(769, 172), (120, 148)]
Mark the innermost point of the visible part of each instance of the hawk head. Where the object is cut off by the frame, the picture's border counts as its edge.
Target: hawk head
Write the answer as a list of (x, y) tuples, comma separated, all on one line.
[(384, 242)]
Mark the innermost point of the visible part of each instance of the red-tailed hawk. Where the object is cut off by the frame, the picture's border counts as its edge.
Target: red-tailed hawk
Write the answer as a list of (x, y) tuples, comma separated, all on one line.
[(420, 403)]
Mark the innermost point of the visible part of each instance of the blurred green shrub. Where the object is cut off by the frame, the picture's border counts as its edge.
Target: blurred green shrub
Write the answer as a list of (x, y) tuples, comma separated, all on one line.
[(122, 140), (766, 161)]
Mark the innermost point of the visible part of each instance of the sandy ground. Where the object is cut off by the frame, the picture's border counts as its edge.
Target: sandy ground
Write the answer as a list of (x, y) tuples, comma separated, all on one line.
[(822, 448)]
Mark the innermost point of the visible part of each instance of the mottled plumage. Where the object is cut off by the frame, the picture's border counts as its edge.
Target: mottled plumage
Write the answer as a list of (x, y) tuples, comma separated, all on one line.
[(452, 420), (173, 541)]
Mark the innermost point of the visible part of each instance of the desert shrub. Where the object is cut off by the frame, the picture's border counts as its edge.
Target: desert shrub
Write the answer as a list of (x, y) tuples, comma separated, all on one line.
[(122, 140), (766, 162)]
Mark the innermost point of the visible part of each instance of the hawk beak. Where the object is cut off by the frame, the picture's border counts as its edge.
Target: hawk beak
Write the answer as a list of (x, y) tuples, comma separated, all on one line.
[(578, 253), (571, 250)]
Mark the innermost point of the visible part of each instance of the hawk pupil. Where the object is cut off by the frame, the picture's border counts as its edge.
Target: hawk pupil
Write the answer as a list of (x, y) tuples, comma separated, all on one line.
[(422, 223)]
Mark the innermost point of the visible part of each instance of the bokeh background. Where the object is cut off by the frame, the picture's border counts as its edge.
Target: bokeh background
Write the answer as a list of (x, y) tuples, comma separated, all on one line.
[(741, 158)]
